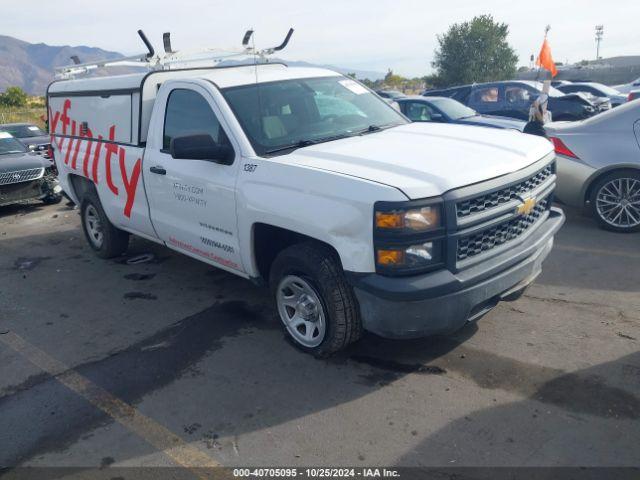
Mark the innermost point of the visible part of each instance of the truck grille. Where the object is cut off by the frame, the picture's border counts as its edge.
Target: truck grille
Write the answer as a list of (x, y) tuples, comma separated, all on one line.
[(19, 176), (480, 242), (490, 200)]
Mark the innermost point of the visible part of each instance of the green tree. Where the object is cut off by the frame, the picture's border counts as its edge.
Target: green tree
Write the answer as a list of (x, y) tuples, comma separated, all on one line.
[(13, 97), (393, 80), (475, 51)]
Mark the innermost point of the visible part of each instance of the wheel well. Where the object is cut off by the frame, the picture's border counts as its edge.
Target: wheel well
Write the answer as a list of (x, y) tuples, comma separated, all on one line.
[(599, 175), (269, 240), (80, 186)]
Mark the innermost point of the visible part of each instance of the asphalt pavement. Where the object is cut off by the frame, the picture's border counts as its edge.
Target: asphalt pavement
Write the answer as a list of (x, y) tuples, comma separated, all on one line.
[(175, 363)]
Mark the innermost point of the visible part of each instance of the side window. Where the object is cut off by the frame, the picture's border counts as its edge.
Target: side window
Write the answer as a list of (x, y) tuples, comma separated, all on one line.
[(188, 113), (516, 94), (485, 95), (418, 112)]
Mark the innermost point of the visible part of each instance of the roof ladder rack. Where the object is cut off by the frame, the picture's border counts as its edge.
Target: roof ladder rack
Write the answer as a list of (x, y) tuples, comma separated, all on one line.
[(171, 58)]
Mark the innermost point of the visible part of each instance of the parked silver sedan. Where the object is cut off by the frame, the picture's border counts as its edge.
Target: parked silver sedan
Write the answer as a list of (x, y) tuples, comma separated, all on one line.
[(598, 165)]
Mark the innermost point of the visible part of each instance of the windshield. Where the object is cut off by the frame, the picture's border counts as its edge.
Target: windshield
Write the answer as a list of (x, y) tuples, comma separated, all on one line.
[(24, 131), (8, 144), (452, 108), (289, 114), (553, 91), (608, 91)]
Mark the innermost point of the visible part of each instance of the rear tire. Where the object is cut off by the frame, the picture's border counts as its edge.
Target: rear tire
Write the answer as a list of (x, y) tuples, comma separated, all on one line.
[(105, 239), (615, 201), (317, 307)]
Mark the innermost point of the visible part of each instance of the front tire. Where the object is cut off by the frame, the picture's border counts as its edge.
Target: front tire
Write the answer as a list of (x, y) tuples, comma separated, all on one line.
[(615, 201), (105, 239), (317, 307)]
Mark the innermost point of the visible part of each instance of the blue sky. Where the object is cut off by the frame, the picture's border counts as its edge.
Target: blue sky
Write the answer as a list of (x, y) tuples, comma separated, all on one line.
[(371, 35)]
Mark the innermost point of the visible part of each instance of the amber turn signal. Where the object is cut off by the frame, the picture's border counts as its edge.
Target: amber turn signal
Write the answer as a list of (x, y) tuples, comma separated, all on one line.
[(416, 219), (389, 220), (390, 257)]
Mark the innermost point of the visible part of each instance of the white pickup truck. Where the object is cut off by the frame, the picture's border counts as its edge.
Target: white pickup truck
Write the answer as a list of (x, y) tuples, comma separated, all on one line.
[(304, 180)]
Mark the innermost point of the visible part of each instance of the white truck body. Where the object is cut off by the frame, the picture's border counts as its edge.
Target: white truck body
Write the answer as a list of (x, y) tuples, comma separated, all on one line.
[(110, 133)]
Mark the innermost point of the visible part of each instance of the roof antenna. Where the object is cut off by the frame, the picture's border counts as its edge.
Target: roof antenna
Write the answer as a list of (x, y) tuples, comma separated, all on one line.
[(147, 44), (75, 59), (166, 40)]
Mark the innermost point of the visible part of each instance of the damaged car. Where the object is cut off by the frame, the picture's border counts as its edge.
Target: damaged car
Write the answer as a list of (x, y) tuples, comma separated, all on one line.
[(25, 175), (32, 136)]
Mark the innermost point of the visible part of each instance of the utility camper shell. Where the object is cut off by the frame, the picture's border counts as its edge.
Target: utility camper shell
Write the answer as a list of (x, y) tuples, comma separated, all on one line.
[(127, 100)]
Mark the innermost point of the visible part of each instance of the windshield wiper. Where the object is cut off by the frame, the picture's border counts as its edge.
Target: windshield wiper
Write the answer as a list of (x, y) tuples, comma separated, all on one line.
[(376, 128), (293, 146), (307, 143)]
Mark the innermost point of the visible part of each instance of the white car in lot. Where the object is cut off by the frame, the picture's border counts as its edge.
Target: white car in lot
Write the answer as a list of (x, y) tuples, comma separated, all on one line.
[(599, 165), (628, 87), (305, 180)]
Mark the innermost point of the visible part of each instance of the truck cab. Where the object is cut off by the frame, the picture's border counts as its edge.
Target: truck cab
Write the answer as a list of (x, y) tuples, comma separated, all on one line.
[(305, 181)]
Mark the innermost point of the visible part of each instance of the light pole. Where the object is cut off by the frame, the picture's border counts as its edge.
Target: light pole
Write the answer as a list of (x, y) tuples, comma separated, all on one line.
[(599, 35)]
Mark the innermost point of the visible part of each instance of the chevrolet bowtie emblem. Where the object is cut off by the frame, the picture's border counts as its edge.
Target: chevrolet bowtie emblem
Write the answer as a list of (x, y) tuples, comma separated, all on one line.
[(527, 206)]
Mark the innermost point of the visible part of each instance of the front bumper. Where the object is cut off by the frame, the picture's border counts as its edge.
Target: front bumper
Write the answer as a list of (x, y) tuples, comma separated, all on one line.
[(574, 176), (442, 302), (41, 188)]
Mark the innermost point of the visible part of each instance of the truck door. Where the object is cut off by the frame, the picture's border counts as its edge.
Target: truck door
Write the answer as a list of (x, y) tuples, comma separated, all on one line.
[(192, 202)]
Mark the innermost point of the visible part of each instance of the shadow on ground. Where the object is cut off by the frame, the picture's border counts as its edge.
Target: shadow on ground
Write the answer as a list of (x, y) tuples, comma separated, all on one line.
[(565, 420)]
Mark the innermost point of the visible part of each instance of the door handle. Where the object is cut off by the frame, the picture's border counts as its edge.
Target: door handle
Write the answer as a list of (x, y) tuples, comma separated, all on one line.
[(158, 170)]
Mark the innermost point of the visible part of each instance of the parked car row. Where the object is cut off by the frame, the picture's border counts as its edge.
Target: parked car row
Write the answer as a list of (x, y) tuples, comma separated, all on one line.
[(598, 156), (514, 98), (447, 110), (31, 136), (24, 175)]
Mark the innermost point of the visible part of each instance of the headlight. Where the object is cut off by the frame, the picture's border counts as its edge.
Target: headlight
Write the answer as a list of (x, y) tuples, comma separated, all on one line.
[(408, 237), (420, 219)]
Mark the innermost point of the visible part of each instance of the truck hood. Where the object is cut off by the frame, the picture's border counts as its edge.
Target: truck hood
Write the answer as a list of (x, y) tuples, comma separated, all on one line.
[(426, 159)]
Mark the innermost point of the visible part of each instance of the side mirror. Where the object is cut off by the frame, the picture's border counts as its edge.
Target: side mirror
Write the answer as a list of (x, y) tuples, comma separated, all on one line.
[(200, 147), (32, 148)]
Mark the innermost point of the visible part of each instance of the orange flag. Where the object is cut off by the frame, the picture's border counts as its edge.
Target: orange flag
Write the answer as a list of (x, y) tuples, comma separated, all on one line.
[(545, 60)]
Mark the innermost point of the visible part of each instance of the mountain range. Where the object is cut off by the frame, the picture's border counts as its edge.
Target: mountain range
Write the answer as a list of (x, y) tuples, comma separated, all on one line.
[(30, 66)]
